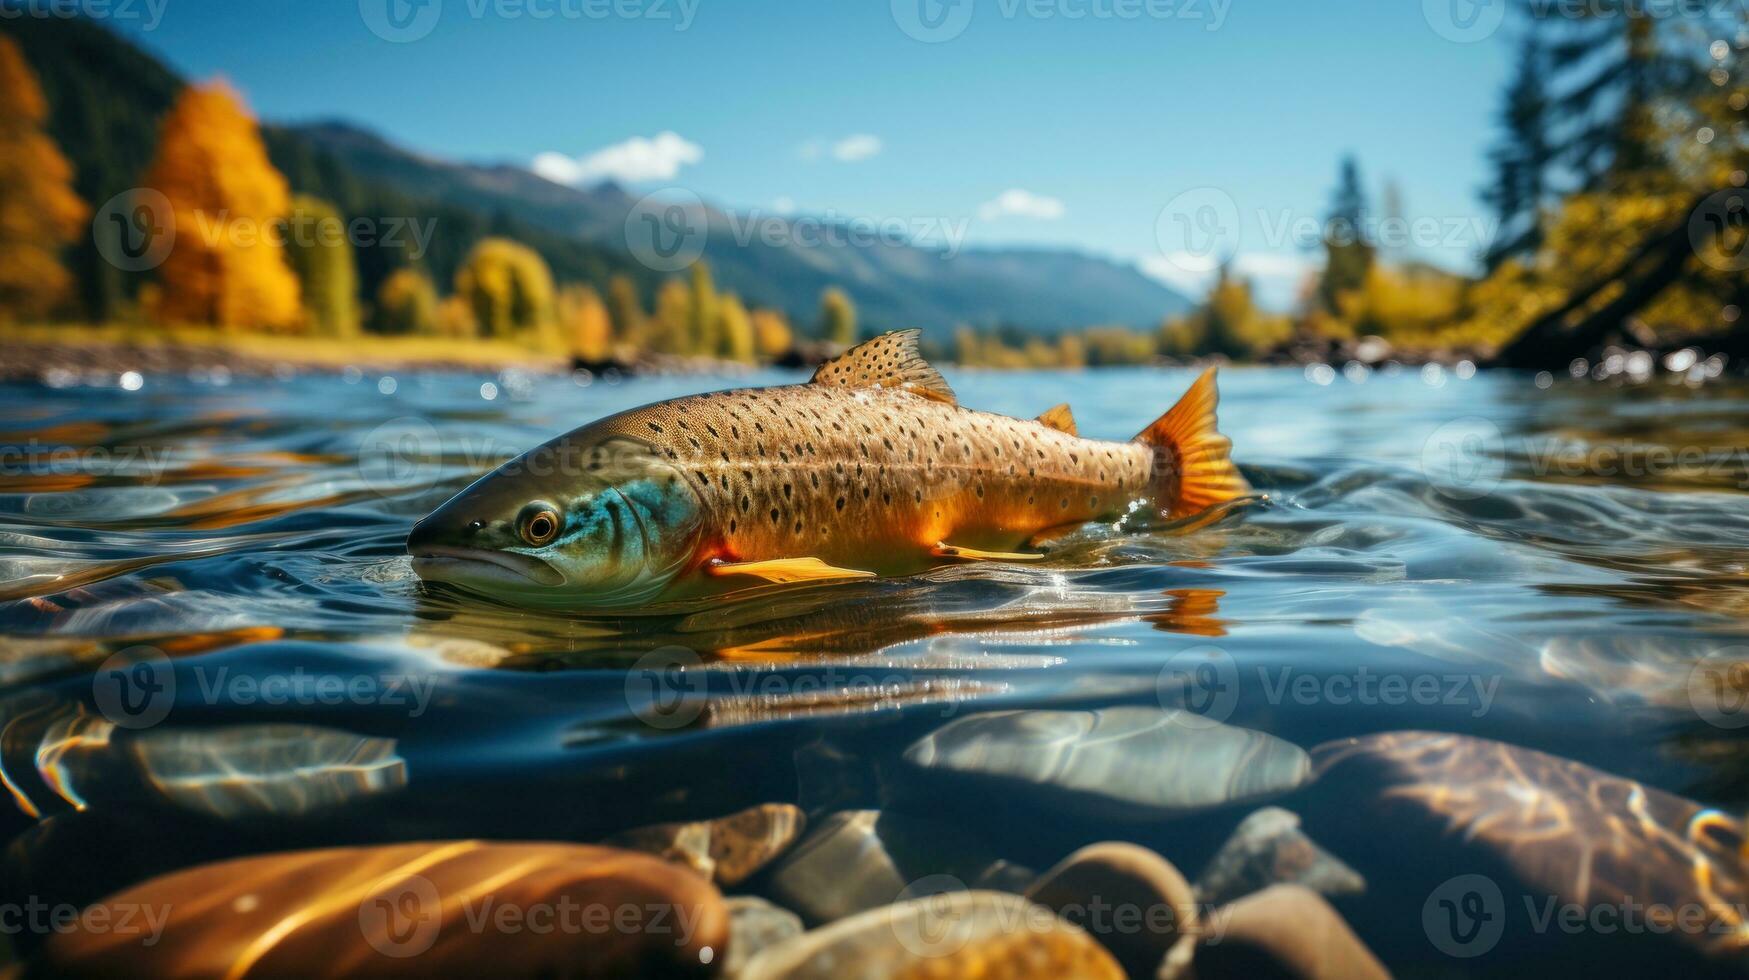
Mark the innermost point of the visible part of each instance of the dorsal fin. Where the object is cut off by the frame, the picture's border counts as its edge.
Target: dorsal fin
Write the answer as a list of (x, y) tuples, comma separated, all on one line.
[(888, 361), (1060, 418)]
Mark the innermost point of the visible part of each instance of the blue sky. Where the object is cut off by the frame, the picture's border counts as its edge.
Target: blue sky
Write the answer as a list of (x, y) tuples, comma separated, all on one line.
[(1102, 114)]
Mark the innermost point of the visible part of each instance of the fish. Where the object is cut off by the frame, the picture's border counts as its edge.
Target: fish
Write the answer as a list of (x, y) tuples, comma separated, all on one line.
[(872, 468)]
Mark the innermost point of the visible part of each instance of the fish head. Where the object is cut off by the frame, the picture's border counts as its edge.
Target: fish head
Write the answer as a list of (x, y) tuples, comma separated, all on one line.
[(578, 522)]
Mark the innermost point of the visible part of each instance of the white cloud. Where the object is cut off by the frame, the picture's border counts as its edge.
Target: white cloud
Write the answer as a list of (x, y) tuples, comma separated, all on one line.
[(1023, 204), (784, 204), (861, 146), (633, 161)]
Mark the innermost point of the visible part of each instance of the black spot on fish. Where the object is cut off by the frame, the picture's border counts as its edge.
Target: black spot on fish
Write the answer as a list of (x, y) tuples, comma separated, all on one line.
[(840, 503), (774, 515)]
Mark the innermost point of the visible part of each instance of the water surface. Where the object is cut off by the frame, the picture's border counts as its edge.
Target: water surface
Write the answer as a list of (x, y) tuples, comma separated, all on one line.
[(1561, 568)]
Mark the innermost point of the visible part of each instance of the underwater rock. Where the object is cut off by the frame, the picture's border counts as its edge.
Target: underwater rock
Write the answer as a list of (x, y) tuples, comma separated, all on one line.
[(280, 770), (727, 850), (1286, 932), (862, 859), (228, 772), (462, 908), (957, 934), (1135, 763), (1268, 848), (1654, 881), (1129, 898), (755, 925)]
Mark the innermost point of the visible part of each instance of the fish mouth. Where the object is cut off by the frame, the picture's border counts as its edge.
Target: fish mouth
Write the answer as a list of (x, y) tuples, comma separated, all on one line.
[(469, 566)]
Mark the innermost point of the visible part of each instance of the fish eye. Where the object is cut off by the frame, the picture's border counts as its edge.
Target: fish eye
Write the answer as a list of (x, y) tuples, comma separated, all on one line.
[(538, 524)]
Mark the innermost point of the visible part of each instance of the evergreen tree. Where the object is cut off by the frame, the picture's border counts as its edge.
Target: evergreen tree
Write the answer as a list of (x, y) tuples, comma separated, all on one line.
[(1522, 160), (1347, 253), (226, 268), (837, 317), (321, 256), (39, 212), (1612, 71)]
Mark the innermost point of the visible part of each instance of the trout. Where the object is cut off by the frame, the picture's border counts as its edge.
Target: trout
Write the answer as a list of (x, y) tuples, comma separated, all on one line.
[(871, 468)]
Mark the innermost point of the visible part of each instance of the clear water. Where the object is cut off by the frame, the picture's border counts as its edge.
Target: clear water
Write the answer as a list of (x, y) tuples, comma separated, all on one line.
[(244, 542)]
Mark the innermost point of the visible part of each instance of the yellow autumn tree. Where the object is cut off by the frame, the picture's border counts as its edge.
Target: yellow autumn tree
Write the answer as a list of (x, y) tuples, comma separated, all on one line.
[(734, 330), (407, 304), (228, 265), (837, 317), (39, 213), (583, 321), (510, 289), (772, 336), (672, 324)]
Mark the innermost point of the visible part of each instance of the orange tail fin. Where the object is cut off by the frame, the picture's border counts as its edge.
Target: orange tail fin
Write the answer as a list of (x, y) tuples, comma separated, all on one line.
[(1194, 470)]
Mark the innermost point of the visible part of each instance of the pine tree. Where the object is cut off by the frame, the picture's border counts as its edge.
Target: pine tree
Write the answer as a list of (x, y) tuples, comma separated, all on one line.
[(1521, 160), (320, 254), (406, 304), (837, 318), (39, 212), (227, 267), (1612, 70), (1347, 253)]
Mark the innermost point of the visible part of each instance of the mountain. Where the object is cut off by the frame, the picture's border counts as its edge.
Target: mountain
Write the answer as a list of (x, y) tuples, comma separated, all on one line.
[(106, 96), (894, 284)]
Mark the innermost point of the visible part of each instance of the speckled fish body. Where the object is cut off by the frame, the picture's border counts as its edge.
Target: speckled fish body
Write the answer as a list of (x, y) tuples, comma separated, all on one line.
[(870, 468), (875, 478)]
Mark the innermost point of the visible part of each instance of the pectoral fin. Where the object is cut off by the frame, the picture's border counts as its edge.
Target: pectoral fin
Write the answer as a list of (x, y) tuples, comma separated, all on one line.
[(786, 570), (945, 550)]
